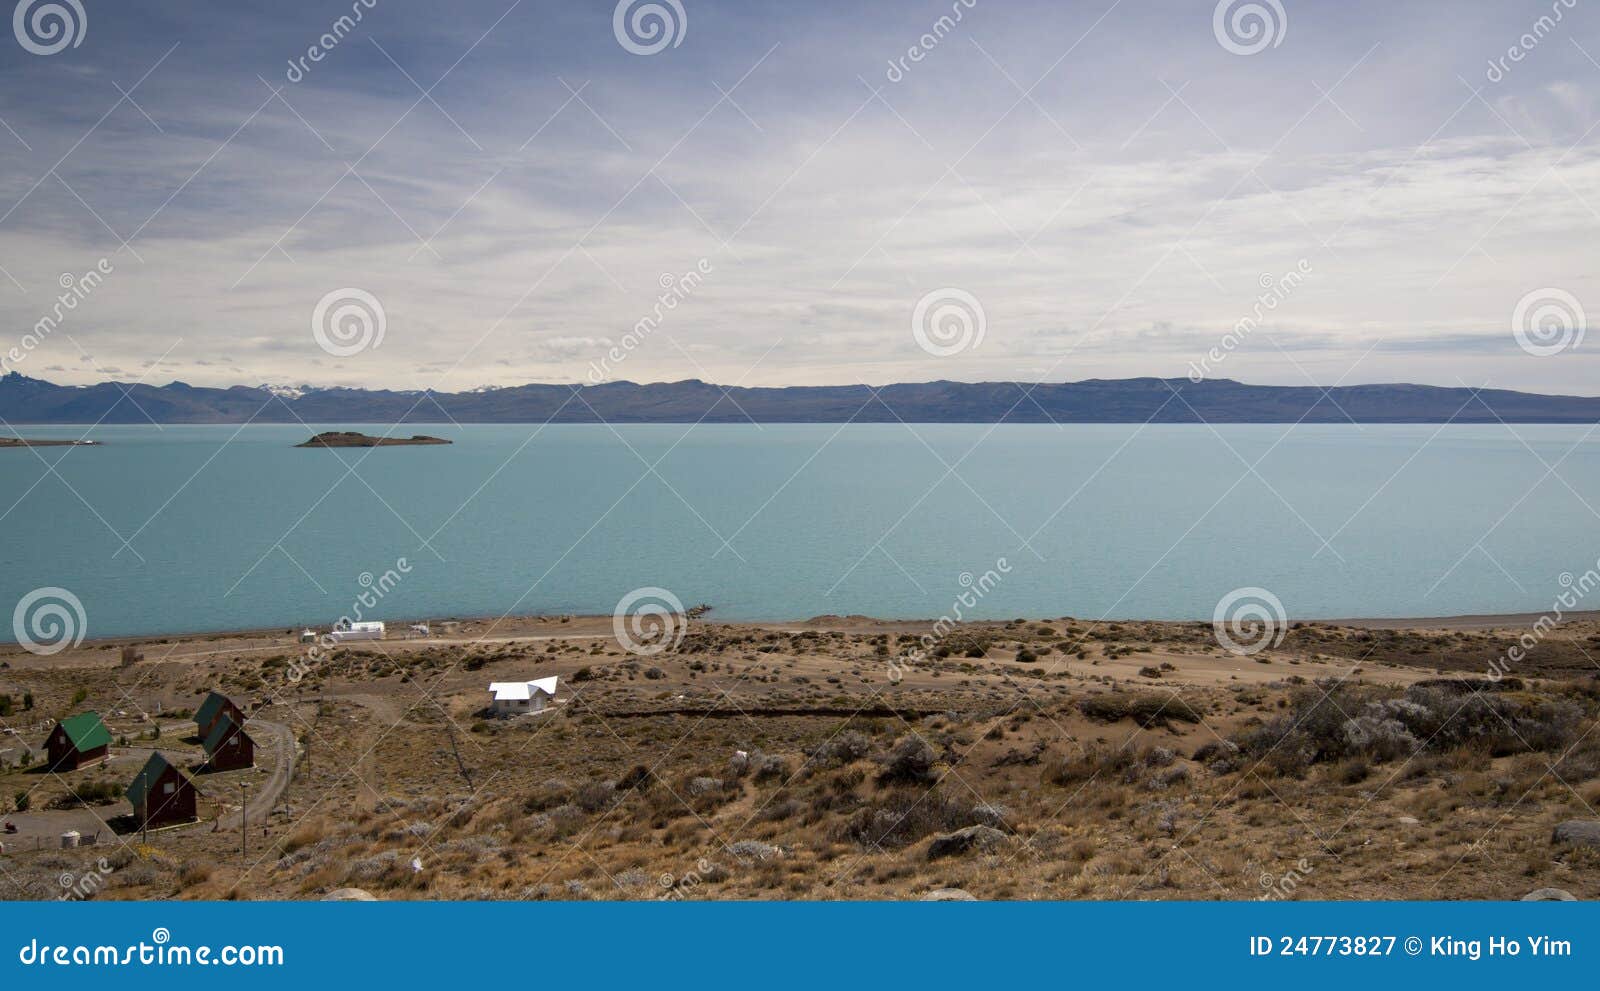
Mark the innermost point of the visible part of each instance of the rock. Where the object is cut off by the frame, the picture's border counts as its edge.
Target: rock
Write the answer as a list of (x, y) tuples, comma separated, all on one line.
[(703, 786), (965, 840), (948, 895), (349, 895), (1579, 832), (990, 815), (1409, 821), (1549, 895), (753, 850)]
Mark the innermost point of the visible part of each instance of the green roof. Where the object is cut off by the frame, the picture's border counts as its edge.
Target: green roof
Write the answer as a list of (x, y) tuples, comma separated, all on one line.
[(149, 775), (209, 708), (224, 728), (86, 732)]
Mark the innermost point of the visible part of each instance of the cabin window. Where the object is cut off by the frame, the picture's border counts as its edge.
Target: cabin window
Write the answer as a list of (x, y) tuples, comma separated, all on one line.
[(166, 789)]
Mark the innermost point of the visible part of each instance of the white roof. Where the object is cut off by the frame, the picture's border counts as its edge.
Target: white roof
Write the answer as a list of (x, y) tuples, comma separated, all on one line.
[(518, 691)]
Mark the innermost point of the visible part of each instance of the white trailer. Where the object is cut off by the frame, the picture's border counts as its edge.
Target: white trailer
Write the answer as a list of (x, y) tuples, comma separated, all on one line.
[(356, 631)]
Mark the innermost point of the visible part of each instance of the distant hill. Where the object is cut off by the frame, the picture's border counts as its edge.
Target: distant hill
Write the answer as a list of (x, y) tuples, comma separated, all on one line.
[(28, 400)]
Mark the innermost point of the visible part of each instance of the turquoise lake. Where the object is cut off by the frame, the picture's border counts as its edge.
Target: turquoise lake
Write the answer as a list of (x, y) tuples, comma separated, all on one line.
[(229, 527)]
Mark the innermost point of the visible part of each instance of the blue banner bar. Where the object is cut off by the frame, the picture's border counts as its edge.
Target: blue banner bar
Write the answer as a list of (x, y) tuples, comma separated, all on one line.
[(804, 945)]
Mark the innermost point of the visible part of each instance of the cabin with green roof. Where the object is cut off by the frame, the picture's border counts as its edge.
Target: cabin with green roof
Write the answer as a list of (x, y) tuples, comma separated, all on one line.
[(160, 793), (228, 746), (78, 741), (215, 704)]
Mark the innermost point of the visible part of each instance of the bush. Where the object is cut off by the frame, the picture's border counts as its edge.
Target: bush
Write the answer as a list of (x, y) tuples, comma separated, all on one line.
[(1121, 763), (904, 816), (766, 767), (596, 797), (841, 749), (1147, 710), (910, 760), (1440, 715), (21, 801)]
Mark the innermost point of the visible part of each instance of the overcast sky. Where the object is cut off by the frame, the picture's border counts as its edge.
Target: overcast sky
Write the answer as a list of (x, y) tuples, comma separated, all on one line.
[(1113, 183)]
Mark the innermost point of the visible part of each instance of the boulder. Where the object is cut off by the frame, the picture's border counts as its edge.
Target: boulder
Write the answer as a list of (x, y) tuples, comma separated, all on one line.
[(1578, 832), (948, 895), (349, 895), (964, 841), (1549, 895)]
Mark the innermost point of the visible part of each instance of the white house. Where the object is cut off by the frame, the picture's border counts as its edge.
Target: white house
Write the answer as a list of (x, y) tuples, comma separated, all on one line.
[(514, 698), (356, 631)]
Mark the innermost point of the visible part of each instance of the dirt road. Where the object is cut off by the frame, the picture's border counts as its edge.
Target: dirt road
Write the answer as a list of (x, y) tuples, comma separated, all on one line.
[(276, 738)]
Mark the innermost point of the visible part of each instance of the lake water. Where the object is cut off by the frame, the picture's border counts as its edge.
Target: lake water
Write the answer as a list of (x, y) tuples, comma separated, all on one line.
[(230, 527)]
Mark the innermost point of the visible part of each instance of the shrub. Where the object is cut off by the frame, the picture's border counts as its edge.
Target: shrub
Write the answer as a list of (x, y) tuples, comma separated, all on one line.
[(1352, 772), (638, 776), (1094, 762), (842, 748), (1147, 709), (910, 760), (596, 797), (904, 816), (1441, 715), (766, 767)]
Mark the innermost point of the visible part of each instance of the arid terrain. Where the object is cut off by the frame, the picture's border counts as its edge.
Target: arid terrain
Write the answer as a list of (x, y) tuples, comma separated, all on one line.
[(1037, 759)]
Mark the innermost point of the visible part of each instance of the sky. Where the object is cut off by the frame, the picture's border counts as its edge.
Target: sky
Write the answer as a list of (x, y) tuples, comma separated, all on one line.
[(835, 192)]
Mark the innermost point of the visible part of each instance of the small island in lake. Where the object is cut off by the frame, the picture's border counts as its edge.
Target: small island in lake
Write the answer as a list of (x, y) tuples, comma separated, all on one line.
[(25, 442), (351, 438)]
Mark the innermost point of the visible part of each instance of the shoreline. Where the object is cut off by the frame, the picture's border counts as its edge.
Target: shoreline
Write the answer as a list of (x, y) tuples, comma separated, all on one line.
[(588, 624)]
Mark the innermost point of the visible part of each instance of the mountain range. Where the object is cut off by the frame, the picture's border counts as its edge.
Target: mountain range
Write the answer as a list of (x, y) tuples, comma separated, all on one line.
[(1135, 400)]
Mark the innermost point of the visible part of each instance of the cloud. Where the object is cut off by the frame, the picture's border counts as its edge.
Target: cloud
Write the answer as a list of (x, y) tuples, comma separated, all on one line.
[(1114, 222)]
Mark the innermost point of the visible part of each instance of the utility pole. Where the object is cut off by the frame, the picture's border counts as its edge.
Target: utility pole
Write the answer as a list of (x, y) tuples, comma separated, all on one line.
[(244, 832)]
